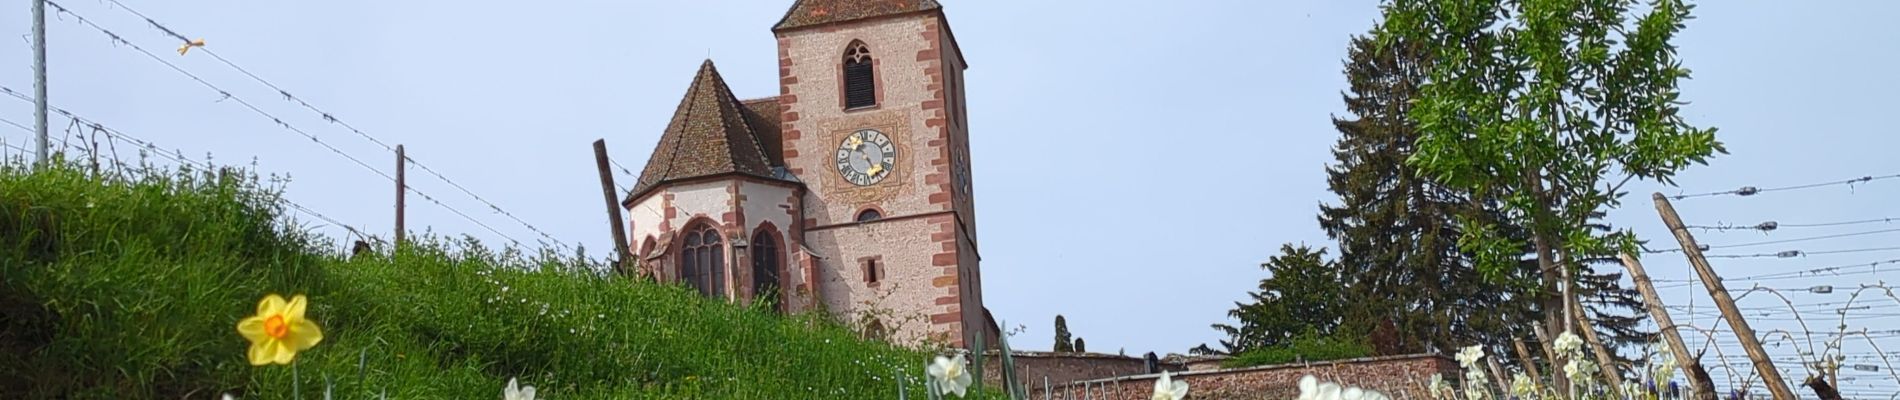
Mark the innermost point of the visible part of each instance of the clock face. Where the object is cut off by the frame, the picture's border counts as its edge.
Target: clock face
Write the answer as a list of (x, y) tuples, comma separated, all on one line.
[(866, 157)]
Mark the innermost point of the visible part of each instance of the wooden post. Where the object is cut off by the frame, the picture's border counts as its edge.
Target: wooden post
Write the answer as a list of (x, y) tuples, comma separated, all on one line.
[(1530, 363), (1770, 376), (1606, 365), (402, 189), (1699, 385), (613, 207)]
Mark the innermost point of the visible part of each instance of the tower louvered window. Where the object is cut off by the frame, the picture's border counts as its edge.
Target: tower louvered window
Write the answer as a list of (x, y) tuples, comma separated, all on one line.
[(860, 84)]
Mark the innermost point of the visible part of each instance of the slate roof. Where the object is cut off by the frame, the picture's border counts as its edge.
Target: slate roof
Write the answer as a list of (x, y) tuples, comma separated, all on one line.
[(819, 12), (710, 134)]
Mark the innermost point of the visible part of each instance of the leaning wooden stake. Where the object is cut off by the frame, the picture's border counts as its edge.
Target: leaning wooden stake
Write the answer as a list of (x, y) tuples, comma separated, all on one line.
[(1606, 365), (625, 257), (1530, 363), (1700, 386), (1771, 377)]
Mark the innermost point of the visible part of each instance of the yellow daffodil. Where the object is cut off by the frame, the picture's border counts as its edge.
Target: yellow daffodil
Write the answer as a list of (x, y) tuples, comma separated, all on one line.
[(279, 330)]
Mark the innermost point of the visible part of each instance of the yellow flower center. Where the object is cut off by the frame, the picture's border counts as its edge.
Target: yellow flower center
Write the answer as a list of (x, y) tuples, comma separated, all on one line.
[(276, 327)]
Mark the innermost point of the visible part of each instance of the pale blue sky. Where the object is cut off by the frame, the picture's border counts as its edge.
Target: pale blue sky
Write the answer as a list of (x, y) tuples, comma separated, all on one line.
[(1134, 162)]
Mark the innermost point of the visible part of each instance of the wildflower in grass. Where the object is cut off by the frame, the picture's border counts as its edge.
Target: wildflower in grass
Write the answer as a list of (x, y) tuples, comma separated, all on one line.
[(950, 374), (1438, 386), (1169, 389), (279, 330), (514, 392)]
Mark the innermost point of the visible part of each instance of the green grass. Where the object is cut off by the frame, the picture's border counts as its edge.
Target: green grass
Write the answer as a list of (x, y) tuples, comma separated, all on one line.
[(129, 287)]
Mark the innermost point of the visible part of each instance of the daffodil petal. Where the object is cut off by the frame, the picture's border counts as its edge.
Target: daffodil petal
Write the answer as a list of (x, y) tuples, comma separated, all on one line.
[(282, 352), (259, 354), (272, 304), (303, 334), (935, 370), (962, 380), (1180, 390), (957, 389), (294, 310), (252, 329), (527, 393)]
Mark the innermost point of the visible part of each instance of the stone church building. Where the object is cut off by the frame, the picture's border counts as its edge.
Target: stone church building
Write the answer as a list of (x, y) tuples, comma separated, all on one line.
[(847, 192)]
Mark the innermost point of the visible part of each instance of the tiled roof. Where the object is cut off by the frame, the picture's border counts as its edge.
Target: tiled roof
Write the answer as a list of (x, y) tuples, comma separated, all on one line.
[(709, 135), (818, 12), (763, 116)]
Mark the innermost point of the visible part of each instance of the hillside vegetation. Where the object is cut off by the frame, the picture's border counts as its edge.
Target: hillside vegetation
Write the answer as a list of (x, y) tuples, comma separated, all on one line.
[(129, 287)]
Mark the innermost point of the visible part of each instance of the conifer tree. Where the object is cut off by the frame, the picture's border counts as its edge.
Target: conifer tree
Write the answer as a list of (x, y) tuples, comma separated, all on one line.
[(1063, 343)]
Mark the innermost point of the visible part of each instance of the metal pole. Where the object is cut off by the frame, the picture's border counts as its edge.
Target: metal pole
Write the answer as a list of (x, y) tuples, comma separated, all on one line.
[(39, 76), (402, 190)]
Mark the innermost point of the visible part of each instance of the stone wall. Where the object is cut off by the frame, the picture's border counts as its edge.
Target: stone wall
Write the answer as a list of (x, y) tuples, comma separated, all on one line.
[(1061, 368), (1400, 377)]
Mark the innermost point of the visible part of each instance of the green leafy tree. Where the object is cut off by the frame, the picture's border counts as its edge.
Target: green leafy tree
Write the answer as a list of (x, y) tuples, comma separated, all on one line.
[(1397, 230), (1063, 343), (1549, 107), (1302, 295)]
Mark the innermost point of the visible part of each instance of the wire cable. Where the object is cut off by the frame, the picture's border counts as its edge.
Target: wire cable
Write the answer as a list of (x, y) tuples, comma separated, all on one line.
[(149, 145), (327, 116), (1751, 190), (116, 39)]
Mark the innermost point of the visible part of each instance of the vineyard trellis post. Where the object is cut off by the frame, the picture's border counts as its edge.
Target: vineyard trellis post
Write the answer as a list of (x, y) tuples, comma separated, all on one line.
[(1770, 376), (613, 207), (402, 189), (1701, 388), (39, 79)]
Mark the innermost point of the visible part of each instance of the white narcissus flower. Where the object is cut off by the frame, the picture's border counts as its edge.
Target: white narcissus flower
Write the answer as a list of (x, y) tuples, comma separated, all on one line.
[(227, 396), (1469, 356), (1329, 391), (1169, 389), (1568, 343), (950, 374), (1438, 385), (1309, 387), (1580, 369), (515, 392), (1521, 385)]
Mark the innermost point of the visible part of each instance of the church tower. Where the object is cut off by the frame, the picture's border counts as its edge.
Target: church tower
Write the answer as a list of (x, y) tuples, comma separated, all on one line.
[(873, 122), (848, 192)]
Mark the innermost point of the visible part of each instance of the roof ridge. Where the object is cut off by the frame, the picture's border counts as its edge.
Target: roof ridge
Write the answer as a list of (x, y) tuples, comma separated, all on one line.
[(685, 116)]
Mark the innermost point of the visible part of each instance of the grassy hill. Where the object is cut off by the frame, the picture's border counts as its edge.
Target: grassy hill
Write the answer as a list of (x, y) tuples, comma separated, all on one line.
[(129, 287)]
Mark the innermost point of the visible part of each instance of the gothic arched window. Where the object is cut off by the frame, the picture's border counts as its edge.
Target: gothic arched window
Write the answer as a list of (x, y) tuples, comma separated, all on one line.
[(765, 268), (702, 260), (860, 84)]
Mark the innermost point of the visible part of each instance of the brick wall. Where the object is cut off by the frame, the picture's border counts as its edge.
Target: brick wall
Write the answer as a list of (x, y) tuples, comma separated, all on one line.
[(1060, 368), (1397, 376)]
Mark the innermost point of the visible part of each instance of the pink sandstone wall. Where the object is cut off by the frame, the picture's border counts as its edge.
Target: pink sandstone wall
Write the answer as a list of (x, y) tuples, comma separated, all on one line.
[(1399, 377)]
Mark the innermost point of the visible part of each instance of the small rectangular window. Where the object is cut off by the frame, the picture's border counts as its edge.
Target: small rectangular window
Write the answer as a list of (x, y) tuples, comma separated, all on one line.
[(872, 274)]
